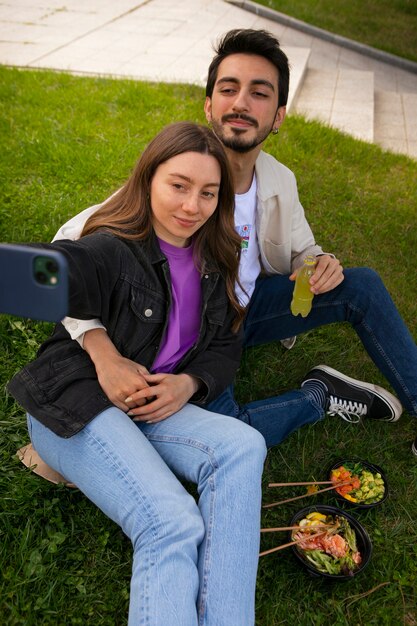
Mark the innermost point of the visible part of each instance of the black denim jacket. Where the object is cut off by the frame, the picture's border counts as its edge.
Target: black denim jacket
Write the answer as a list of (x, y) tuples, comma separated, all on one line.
[(127, 285)]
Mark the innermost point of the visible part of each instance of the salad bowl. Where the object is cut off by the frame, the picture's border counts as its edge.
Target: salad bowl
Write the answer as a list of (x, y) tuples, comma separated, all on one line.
[(330, 543), (366, 486)]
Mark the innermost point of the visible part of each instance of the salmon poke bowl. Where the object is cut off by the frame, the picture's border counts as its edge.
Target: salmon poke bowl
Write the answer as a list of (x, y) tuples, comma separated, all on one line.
[(329, 542)]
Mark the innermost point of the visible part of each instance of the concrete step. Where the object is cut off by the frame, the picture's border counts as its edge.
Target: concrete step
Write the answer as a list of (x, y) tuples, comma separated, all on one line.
[(298, 58), (340, 98), (396, 121)]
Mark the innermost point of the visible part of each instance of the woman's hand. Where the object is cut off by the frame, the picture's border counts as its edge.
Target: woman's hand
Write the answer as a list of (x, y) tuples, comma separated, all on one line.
[(166, 394), (118, 376), (327, 275)]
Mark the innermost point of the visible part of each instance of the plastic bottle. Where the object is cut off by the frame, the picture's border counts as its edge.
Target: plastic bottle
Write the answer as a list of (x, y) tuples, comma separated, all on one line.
[(302, 296)]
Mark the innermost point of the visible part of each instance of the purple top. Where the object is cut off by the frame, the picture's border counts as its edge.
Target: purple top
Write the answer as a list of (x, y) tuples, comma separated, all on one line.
[(185, 314)]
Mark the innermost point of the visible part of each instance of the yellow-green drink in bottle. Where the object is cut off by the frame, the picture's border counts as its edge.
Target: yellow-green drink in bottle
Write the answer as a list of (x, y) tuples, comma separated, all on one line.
[(302, 296)]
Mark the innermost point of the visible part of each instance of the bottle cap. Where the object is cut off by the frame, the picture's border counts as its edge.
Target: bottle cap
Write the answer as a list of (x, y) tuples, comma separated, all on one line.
[(310, 259)]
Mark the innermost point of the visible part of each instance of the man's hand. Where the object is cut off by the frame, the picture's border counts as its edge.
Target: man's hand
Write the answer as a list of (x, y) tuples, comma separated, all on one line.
[(166, 394), (118, 377), (327, 275)]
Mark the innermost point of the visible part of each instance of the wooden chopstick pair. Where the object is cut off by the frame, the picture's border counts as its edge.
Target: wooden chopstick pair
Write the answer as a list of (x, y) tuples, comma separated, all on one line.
[(304, 495), (292, 543), (309, 482), (297, 527)]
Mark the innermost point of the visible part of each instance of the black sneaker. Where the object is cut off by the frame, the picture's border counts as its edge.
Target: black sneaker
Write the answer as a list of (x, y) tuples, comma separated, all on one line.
[(414, 446), (352, 399)]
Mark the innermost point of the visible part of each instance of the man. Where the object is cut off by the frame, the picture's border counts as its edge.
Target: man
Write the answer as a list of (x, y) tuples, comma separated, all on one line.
[(246, 96)]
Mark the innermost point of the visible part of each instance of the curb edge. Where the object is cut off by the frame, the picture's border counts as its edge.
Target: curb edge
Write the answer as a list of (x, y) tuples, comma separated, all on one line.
[(276, 16)]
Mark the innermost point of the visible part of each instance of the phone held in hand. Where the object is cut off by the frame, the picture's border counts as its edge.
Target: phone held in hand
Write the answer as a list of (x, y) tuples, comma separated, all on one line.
[(33, 282)]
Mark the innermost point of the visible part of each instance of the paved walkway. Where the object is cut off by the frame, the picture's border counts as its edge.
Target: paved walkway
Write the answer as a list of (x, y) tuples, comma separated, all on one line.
[(171, 41)]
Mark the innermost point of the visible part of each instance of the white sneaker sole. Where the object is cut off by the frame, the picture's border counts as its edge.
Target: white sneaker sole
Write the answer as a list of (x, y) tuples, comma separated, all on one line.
[(379, 391), (413, 448)]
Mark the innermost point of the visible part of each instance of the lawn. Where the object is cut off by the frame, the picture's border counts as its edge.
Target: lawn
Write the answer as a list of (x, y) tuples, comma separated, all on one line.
[(389, 25), (68, 142)]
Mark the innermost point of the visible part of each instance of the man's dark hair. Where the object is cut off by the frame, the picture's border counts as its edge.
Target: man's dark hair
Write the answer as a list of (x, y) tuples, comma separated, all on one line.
[(250, 41)]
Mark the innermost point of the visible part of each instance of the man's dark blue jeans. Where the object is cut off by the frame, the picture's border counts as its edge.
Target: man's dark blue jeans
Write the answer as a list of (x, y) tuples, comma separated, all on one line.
[(363, 301)]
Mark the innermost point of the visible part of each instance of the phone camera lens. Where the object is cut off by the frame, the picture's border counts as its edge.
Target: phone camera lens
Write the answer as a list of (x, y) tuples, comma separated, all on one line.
[(41, 277), (52, 267)]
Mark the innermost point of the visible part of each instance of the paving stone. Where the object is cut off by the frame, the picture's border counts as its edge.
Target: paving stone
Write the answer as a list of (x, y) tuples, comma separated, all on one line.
[(171, 40)]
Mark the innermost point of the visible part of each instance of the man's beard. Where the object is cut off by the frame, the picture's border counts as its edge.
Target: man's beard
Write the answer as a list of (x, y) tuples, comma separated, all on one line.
[(238, 143)]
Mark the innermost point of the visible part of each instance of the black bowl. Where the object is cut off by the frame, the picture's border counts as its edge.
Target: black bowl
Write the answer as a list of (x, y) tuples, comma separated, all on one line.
[(375, 469), (363, 542)]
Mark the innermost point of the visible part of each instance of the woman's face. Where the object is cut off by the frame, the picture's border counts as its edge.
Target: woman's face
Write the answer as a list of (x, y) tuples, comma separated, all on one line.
[(184, 194)]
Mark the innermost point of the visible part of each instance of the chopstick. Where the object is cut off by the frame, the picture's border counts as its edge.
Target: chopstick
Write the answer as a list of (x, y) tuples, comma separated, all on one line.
[(306, 495), (270, 530), (292, 543), (312, 482)]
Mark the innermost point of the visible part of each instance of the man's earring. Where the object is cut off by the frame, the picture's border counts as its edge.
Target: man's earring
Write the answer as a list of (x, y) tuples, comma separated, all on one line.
[(275, 131)]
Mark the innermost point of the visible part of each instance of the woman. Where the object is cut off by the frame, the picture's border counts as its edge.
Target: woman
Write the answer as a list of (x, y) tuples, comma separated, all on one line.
[(158, 264)]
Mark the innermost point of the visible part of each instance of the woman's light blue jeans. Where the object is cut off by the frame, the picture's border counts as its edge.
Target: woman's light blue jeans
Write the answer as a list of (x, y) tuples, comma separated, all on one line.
[(192, 564), (361, 300)]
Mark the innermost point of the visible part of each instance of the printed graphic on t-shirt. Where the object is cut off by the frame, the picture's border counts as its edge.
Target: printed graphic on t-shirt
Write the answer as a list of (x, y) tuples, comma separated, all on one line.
[(244, 232)]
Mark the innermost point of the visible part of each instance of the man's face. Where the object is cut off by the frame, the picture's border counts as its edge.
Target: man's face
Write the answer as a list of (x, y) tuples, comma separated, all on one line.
[(243, 108)]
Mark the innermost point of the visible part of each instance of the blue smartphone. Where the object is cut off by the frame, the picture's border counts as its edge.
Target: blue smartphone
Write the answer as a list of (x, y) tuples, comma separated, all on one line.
[(33, 283)]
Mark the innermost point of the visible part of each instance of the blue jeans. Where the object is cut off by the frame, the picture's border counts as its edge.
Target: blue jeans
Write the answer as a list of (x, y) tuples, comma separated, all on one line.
[(363, 301), (192, 565)]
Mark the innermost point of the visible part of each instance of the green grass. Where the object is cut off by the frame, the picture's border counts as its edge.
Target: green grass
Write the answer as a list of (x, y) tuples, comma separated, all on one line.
[(67, 143), (389, 25)]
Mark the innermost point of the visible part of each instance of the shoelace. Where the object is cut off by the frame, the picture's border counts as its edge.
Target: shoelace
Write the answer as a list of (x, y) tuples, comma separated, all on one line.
[(347, 410)]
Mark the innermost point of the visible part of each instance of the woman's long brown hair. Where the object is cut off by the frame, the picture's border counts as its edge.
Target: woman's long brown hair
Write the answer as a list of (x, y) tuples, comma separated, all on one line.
[(128, 213)]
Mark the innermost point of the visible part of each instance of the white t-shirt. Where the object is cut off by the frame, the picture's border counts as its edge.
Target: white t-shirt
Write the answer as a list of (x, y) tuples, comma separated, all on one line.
[(245, 223)]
